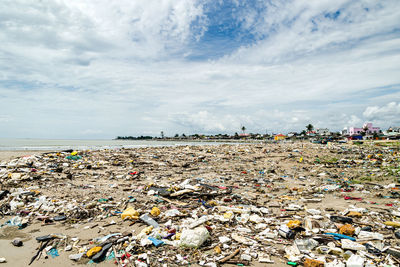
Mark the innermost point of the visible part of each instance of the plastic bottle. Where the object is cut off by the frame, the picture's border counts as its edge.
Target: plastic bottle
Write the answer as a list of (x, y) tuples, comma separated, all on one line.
[(286, 232), (149, 221)]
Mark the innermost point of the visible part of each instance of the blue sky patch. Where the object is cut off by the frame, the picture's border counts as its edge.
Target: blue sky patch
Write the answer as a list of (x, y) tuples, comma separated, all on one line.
[(227, 29)]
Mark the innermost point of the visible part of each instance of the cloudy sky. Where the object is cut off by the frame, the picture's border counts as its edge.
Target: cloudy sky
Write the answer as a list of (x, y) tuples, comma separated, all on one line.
[(98, 69)]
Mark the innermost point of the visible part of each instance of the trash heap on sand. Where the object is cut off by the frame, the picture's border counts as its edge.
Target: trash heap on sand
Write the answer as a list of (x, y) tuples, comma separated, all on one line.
[(247, 205)]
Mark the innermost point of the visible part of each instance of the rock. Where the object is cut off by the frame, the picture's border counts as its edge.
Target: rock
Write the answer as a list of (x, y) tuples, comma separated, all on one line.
[(17, 242)]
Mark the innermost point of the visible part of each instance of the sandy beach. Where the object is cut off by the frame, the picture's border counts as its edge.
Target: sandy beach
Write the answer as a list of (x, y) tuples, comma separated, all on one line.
[(100, 185), (11, 154)]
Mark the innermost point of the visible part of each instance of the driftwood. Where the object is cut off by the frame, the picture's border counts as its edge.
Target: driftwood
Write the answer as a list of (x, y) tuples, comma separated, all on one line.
[(227, 258), (39, 251)]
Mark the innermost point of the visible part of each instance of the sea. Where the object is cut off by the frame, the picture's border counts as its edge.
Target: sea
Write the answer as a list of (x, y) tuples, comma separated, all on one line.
[(65, 144)]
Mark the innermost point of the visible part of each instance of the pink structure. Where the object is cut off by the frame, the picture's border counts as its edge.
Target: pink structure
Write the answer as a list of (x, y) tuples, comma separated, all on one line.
[(367, 128)]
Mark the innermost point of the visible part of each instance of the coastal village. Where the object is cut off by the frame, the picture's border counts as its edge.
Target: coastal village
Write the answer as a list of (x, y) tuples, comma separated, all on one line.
[(367, 132)]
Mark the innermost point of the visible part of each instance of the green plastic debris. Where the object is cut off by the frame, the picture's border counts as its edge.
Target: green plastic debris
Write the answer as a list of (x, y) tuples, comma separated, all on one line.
[(73, 157)]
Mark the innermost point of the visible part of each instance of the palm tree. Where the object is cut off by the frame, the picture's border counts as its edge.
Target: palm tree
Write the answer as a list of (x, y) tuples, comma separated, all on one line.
[(310, 127), (243, 129), (365, 129)]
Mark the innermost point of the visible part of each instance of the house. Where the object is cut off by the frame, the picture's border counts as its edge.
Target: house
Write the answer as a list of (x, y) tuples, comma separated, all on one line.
[(322, 131), (244, 135), (366, 129), (393, 130), (279, 137), (392, 133), (311, 133)]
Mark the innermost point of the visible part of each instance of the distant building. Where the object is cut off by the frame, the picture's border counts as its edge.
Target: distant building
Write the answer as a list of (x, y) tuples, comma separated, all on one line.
[(244, 135), (279, 137), (393, 130), (322, 131), (392, 133), (367, 129), (311, 133)]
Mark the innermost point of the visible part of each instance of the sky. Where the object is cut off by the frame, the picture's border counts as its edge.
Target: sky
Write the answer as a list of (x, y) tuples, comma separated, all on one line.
[(101, 69)]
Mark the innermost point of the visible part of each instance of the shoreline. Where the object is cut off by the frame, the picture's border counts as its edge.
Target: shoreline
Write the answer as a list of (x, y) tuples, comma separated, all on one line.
[(6, 155), (9, 154)]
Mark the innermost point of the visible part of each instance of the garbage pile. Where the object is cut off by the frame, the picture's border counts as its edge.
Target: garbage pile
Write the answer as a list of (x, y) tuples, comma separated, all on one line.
[(248, 205)]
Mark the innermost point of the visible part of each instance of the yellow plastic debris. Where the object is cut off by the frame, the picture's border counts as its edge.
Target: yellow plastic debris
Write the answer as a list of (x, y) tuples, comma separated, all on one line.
[(228, 215), (212, 203), (93, 251), (74, 153), (155, 211), (313, 263), (178, 236), (394, 224), (35, 191), (217, 250), (147, 230), (347, 229), (294, 224), (354, 214), (130, 213)]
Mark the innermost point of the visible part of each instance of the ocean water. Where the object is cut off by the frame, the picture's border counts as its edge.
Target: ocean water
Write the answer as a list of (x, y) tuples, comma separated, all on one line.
[(58, 144)]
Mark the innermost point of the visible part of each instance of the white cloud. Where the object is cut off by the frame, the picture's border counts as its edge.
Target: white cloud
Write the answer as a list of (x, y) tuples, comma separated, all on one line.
[(389, 113), (5, 118), (301, 29), (354, 121), (207, 122), (123, 68), (92, 132)]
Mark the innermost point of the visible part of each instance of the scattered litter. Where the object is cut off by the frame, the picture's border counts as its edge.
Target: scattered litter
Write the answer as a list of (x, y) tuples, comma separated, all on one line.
[(335, 205)]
